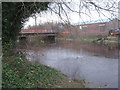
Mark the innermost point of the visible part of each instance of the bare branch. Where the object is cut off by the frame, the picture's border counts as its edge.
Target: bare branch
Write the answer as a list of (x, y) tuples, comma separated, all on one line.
[(106, 9)]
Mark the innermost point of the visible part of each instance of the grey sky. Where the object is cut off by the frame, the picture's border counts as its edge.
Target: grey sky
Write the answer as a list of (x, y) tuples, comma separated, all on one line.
[(86, 15)]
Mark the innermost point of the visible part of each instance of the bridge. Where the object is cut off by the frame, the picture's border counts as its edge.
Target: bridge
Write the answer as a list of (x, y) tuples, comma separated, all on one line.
[(49, 34), (25, 33)]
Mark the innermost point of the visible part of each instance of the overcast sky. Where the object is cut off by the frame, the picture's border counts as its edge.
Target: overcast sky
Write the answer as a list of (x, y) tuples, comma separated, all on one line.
[(86, 15)]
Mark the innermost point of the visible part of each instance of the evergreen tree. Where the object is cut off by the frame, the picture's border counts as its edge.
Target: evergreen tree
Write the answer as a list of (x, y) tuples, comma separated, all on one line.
[(14, 14)]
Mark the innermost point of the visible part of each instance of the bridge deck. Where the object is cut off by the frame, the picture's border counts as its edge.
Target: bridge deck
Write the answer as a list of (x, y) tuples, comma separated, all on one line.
[(25, 33), (37, 31)]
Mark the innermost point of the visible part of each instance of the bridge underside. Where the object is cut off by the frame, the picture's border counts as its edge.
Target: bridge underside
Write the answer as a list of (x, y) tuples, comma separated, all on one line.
[(39, 34), (46, 37)]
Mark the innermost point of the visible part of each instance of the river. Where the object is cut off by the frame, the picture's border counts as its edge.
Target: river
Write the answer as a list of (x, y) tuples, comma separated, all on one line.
[(97, 64)]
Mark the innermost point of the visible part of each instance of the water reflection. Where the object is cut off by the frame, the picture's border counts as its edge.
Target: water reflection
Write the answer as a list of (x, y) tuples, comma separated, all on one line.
[(96, 64)]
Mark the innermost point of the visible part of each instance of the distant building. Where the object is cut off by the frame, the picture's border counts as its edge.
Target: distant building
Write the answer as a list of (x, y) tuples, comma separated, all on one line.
[(66, 32), (99, 27)]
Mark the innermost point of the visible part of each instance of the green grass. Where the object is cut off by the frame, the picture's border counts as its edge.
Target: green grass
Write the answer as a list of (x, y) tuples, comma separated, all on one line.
[(87, 39), (80, 39), (18, 73)]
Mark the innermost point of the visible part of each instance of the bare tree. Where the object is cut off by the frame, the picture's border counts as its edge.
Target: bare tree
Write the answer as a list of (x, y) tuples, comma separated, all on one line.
[(84, 7), (87, 8)]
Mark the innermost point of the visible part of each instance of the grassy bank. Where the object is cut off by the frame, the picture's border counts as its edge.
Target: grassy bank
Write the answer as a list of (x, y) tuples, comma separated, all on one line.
[(78, 39), (19, 73), (108, 39)]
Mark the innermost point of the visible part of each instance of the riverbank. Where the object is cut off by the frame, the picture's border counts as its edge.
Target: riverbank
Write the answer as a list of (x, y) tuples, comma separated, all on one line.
[(83, 40), (107, 40), (19, 73)]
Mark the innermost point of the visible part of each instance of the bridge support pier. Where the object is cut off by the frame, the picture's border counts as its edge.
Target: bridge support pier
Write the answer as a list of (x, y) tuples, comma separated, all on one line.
[(21, 39), (51, 39)]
